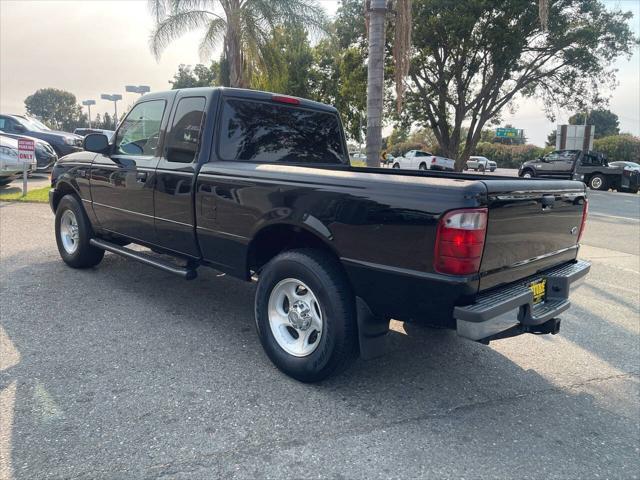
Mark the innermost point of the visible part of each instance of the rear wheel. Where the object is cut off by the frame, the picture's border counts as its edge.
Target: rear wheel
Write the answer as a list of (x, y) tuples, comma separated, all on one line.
[(5, 181), (396, 165), (481, 167), (73, 232), (598, 182), (423, 166), (305, 315), (466, 167)]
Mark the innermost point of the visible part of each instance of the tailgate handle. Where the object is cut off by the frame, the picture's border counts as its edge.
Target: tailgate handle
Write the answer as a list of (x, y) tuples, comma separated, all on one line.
[(548, 200)]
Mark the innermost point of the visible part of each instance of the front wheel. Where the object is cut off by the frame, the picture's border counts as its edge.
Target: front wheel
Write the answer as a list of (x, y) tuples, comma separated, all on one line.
[(423, 166), (73, 232), (598, 182), (396, 165), (305, 315), (481, 168), (527, 174)]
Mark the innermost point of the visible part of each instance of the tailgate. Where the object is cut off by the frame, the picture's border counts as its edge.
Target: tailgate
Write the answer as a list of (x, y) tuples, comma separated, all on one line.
[(533, 225)]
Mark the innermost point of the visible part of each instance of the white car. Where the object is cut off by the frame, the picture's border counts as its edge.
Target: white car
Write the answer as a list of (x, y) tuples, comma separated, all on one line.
[(481, 164), (421, 160), (10, 164)]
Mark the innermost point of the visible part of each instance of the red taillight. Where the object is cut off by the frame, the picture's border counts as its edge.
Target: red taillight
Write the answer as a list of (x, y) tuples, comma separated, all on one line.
[(433, 159), (284, 99), (460, 241), (585, 214)]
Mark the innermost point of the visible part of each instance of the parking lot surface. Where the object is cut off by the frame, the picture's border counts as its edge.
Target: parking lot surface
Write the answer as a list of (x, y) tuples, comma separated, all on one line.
[(123, 371)]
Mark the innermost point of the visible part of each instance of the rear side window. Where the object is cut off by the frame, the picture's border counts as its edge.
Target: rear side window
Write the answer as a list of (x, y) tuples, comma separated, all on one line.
[(264, 132), (184, 136)]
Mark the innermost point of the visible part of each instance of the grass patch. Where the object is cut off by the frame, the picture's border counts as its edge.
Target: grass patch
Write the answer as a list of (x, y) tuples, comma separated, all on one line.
[(37, 195)]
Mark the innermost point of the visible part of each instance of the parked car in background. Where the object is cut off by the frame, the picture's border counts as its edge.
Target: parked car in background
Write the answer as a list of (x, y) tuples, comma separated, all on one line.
[(421, 160), (630, 175), (10, 164), (590, 167), (83, 132), (45, 154), (62, 142), (481, 164)]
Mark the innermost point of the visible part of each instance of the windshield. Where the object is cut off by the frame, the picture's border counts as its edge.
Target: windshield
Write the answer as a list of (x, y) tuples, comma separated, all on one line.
[(36, 123)]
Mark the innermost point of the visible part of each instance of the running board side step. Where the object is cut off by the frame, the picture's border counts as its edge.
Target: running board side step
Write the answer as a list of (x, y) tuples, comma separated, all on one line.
[(184, 272)]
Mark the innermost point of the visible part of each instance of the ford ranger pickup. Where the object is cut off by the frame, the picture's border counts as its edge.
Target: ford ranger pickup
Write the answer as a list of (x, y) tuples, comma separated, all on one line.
[(259, 186)]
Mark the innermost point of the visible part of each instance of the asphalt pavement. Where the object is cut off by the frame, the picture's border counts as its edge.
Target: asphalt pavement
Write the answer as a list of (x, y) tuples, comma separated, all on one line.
[(124, 372)]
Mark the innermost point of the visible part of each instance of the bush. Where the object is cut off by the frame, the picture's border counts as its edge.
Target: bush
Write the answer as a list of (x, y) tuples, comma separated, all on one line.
[(510, 156), (619, 147)]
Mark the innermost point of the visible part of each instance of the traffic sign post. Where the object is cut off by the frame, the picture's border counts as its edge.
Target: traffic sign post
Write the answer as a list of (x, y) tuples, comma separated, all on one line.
[(26, 154)]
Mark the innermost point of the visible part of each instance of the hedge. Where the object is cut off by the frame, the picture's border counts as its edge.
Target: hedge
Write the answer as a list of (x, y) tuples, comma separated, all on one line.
[(619, 147), (510, 156)]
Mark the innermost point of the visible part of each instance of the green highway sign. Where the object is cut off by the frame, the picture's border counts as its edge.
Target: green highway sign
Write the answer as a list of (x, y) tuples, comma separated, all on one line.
[(508, 132)]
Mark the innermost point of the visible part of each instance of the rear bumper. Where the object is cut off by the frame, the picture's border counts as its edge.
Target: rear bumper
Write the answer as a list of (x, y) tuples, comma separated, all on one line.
[(511, 307)]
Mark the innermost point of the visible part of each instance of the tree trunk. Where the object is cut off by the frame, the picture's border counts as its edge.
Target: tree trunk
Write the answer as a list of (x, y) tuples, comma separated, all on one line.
[(234, 57), (375, 81)]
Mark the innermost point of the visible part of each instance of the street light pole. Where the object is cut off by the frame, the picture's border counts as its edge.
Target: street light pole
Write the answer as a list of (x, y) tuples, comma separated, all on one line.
[(88, 103), (113, 98), (139, 89)]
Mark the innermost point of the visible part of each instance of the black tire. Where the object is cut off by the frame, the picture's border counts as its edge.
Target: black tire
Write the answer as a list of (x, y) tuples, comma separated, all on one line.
[(466, 167), (5, 181), (598, 182), (481, 168), (528, 171), (422, 166), (338, 343), (84, 255), (396, 165)]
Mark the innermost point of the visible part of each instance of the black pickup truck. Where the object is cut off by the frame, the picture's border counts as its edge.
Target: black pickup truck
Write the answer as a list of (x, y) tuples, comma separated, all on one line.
[(590, 167), (259, 186)]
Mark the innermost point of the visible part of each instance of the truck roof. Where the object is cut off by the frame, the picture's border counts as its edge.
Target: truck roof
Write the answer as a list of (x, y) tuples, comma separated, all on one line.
[(243, 93)]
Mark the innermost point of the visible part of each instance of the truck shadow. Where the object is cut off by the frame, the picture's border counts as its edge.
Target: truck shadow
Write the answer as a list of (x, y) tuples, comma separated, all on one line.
[(147, 359)]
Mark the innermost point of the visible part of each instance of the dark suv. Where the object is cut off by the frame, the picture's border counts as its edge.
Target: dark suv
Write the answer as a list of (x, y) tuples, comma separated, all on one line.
[(62, 142), (590, 167)]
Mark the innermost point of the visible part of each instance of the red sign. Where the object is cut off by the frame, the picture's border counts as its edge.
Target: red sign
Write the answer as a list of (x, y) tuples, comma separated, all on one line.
[(26, 150)]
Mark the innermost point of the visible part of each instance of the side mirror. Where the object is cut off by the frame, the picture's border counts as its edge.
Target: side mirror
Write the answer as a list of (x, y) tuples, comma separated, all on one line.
[(19, 128), (96, 142)]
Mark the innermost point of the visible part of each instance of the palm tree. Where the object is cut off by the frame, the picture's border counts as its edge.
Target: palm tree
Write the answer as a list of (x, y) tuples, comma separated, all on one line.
[(376, 11), (242, 27)]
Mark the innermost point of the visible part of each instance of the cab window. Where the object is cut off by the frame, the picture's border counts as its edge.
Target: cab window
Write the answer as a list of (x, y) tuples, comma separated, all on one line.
[(184, 136), (140, 131)]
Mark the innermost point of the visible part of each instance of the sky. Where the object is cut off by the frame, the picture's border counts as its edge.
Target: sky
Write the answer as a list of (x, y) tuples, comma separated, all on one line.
[(99, 46)]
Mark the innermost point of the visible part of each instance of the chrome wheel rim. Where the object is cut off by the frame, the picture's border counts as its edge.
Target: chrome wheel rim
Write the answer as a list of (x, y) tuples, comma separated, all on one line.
[(596, 183), (69, 231), (295, 317), (527, 175)]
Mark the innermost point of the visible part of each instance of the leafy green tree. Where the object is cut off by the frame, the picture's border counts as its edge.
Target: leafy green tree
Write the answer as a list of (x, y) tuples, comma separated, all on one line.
[(287, 59), (339, 78), (605, 121), (472, 58), (56, 108), (241, 27), (619, 147), (199, 76)]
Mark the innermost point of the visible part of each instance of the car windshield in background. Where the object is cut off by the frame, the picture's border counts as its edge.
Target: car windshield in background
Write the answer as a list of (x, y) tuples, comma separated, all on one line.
[(37, 123), (263, 132)]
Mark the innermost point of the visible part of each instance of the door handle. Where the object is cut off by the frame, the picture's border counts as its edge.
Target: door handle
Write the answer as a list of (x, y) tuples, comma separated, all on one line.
[(141, 177)]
